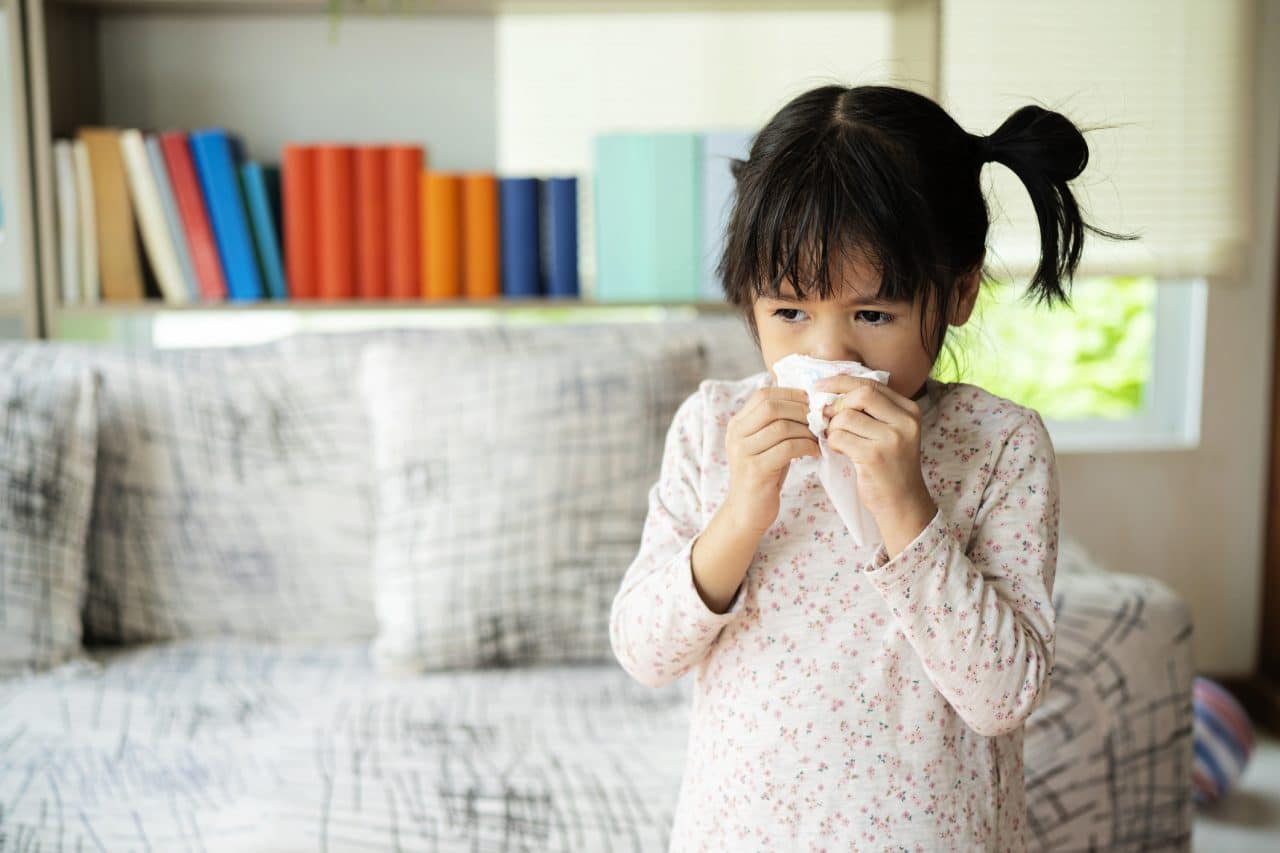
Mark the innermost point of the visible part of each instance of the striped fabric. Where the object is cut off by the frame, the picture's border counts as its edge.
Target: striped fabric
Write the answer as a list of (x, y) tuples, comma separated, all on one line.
[(1108, 755), (48, 426), (229, 745), (510, 494), (232, 497)]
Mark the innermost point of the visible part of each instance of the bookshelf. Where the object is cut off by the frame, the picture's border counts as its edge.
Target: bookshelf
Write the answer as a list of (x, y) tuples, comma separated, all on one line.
[(363, 70)]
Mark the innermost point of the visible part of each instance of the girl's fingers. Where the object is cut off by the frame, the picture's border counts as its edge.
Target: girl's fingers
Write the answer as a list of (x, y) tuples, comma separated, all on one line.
[(770, 404), (782, 453), (871, 398), (861, 424), (845, 384), (773, 433)]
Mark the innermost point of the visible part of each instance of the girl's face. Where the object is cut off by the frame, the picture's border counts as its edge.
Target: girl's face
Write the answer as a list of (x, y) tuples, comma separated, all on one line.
[(856, 327)]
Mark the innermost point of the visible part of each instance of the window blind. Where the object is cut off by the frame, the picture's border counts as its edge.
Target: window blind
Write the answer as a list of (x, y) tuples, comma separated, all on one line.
[(1172, 80)]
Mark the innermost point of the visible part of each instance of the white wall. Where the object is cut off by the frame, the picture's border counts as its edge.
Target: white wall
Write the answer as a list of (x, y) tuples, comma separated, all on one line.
[(281, 78)]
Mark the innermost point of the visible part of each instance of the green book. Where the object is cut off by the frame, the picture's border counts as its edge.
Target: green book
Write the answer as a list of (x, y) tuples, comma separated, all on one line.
[(648, 217)]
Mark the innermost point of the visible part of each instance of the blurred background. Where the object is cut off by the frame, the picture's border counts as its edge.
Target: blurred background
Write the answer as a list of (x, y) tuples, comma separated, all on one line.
[(1157, 386)]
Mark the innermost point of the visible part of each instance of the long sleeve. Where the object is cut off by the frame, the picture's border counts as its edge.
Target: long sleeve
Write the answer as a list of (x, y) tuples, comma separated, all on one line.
[(982, 620), (659, 626)]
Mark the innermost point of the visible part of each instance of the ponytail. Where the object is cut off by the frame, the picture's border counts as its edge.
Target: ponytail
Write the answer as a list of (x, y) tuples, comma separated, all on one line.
[(1045, 150)]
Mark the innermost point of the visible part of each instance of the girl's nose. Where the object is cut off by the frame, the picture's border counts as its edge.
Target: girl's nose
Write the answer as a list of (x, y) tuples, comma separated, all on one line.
[(835, 352)]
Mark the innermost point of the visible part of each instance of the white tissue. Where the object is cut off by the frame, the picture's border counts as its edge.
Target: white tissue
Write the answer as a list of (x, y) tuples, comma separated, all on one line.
[(836, 472)]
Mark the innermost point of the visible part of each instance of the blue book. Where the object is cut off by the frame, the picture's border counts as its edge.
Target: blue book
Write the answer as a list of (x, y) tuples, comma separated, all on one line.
[(649, 217), (560, 237), (216, 153), (264, 228), (518, 213), (155, 156), (718, 150)]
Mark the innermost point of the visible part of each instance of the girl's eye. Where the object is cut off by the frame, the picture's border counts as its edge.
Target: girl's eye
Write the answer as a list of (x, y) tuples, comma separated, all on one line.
[(875, 318), (879, 314)]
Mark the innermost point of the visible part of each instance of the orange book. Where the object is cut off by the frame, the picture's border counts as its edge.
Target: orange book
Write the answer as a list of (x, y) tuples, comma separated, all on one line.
[(335, 224), (405, 164), (119, 265), (298, 188), (371, 222), (480, 263), (441, 236)]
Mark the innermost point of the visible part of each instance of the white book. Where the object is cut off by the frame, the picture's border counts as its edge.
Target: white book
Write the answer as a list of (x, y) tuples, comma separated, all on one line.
[(90, 287), (161, 170), (64, 171), (149, 209)]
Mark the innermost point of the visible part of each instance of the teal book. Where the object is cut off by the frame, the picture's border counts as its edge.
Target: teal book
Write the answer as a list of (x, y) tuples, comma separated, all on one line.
[(262, 217), (648, 217), (719, 150)]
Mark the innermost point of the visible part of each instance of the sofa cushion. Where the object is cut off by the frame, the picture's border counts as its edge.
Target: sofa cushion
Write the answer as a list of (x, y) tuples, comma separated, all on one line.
[(48, 435), (232, 497), (511, 494)]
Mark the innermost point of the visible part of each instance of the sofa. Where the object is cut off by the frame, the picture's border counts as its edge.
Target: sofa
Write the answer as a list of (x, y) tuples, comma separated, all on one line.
[(350, 592)]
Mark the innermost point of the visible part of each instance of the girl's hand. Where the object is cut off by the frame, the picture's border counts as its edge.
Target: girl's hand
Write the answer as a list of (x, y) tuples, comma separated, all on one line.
[(879, 429), (769, 431)]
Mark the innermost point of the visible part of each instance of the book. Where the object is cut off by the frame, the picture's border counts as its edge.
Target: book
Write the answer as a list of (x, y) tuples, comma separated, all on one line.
[(216, 154), (518, 212), (68, 220), (441, 236), (119, 266), (151, 220), (719, 149), (481, 278), (264, 228), (648, 216), (372, 278), (90, 286), (155, 157), (335, 222), (194, 211), (298, 188), (559, 249), (405, 164)]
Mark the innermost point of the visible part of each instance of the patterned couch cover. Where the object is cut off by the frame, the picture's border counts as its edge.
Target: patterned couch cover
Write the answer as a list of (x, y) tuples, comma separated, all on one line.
[(219, 745)]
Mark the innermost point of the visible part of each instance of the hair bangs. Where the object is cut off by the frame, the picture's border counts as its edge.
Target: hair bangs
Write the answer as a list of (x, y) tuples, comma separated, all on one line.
[(842, 198)]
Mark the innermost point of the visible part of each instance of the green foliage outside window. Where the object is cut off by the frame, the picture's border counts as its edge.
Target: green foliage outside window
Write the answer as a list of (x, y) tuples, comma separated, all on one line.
[(1090, 360)]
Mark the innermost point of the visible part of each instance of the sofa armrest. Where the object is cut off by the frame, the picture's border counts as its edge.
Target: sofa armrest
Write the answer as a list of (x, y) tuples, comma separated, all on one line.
[(1108, 754)]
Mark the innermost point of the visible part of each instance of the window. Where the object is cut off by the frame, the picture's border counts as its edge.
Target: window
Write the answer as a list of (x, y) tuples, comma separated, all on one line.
[(1118, 370)]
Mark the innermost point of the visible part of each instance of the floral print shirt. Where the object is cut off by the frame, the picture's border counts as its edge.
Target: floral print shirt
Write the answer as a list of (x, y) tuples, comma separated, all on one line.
[(847, 700)]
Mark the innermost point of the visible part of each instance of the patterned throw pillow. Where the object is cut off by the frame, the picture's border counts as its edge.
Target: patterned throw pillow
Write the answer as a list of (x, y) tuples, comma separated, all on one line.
[(233, 498), (511, 493), (48, 432)]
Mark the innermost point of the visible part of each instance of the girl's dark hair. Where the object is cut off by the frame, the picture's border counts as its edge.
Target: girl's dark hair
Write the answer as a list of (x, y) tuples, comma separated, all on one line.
[(888, 173)]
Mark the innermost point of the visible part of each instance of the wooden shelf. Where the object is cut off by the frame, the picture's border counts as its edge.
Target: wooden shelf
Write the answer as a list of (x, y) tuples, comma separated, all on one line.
[(344, 8), (157, 324), (155, 307)]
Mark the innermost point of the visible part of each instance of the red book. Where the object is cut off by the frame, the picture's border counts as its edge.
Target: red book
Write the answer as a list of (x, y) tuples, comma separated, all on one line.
[(335, 221), (371, 222), (194, 215), (298, 189), (404, 181)]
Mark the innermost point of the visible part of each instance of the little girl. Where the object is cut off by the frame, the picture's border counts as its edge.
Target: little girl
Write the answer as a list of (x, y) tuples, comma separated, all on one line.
[(859, 696)]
